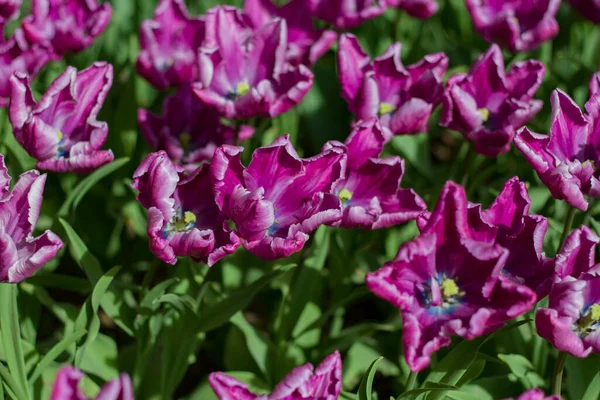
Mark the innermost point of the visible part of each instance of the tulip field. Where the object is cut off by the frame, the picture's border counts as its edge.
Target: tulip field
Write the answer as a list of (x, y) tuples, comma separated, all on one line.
[(299, 199)]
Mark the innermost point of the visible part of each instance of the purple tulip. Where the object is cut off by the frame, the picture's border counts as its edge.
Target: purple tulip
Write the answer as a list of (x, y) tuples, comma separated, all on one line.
[(187, 130), (324, 383), (346, 14), (516, 24), (21, 254), (422, 9), (66, 25), (61, 130), (571, 321), (66, 387), (564, 160), (279, 198), (305, 43), (169, 46), (9, 10), (589, 9), (594, 84), (370, 192), (244, 73), (488, 105), (448, 282), (183, 219), (536, 394), (16, 55), (403, 98)]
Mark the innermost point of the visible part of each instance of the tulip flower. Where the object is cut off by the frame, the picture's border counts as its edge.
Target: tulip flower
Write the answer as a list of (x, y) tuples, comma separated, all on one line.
[(21, 253), (9, 10), (183, 219), (370, 192), (67, 382), (517, 25), (279, 198), (61, 130), (571, 321), (594, 84), (186, 130), (422, 9), (324, 383), (402, 98), (564, 160), (305, 43), (169, 46), (488, 105), (589, 9), (448, 281), (16, 55), (244, 73), (536, 394), (346, 14), (66, 25)]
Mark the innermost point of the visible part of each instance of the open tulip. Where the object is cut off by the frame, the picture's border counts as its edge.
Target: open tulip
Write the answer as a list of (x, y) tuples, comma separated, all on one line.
[(346, 14), (488, 105), (244, 73), (536, 394), (169, 46), (61, 130), (279, 198), (66, 387), (401, 97), (66, 25), (589, 9), (305, 382), (9, 10), (417, 8)]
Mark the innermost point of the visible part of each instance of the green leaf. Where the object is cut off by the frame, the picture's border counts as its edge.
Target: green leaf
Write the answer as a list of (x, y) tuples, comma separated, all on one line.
[(12, 385), (88, 316), (219, 313), (81, 254), (147, 304), (77, 194), (256, 345), (365, 390), (429, 387), (11, 337), (54, 352), (593, 390)]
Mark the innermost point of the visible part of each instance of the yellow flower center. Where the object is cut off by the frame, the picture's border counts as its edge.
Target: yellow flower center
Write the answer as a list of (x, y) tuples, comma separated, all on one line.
[(184, 140), (485, 114), (385, 108), (59, 135), (345, 195), (595, 312), (242, 88), (449, 288), (182, 224)]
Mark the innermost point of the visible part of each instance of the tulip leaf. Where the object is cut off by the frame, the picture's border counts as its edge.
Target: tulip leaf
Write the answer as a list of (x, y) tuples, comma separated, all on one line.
[(365, 390), (220, 313), (77, 194), (148, 301), (593, 390), (14, 390), (256, 345), (11, 338), (54, 352)]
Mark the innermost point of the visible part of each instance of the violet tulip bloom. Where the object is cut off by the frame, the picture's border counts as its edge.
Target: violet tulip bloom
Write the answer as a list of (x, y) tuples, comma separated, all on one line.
[(305, 382), (279, 198), (16, 55), (422, 9), (594, 84), (61, 131), (346, 14), (183, 219), (9, 10), (370, 192), (305, 43), (66, 25), (186, 130), (22, 254), (244, 73), (488, 105), (66, 387), (564, 160), (536, 394), (589, 9), (401, 97), (448, 282), (519, 25), (571, 322), (169, 46)]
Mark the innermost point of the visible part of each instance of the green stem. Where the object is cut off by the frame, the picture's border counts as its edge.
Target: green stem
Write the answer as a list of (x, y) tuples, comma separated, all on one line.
[(558, 373), (567, 227), (411, 382), (467, 162)]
